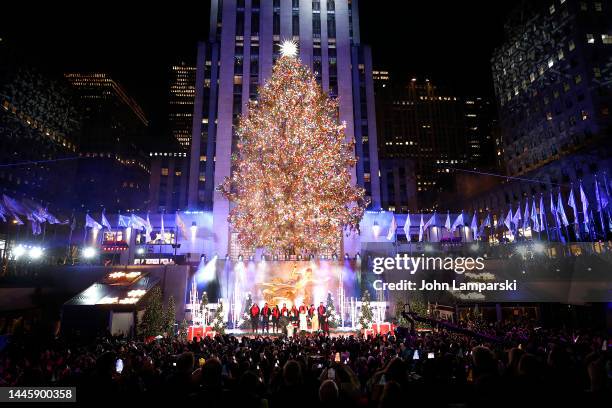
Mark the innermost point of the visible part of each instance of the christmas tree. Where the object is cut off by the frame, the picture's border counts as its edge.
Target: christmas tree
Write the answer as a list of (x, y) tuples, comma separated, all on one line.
[(182, 331), (170, 316), (366, 317), (217, 322), (152, 320), (291, 184), (332, 317)]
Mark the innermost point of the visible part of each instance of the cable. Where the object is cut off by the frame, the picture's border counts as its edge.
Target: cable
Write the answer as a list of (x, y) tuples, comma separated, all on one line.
[(507, 177), (38, 162)]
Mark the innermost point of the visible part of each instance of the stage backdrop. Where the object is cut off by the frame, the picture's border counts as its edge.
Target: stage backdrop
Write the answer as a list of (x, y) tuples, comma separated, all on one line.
[(278, 282)]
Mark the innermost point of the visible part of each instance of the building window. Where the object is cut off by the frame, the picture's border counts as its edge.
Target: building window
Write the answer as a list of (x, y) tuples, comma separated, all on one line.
[(597, 6), (590, 39), (164, 171), (572, 45), (606, 38), (552, 9), (578, 78)]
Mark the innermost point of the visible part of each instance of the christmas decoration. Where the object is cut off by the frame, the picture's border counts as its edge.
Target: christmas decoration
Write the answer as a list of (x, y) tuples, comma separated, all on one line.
[(217, 322), (332, 317), (169, 317), (182, 331), (152, 320), (291, 184), (366, 317), (245, 320)]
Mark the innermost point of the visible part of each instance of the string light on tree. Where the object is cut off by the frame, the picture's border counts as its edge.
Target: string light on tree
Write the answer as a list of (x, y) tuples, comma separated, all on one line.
[(291, 186)]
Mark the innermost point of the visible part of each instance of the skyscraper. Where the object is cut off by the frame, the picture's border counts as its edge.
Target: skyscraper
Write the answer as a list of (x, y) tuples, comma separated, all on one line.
[(243, 44), (181, 96), (553, 83), (114, 171)]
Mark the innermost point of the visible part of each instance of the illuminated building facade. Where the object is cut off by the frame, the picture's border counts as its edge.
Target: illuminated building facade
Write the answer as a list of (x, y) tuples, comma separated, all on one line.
[(181, 97), (243, 44), (426, 133), (39, 124), (553, 84), (113, 171)]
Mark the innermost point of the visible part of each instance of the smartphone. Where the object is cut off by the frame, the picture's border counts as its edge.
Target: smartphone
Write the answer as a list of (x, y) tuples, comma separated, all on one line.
[(383, 380), (320, 365), (337, 358), (430, 355), (331, 373), (119, 366), (201, 361), (416, 355)]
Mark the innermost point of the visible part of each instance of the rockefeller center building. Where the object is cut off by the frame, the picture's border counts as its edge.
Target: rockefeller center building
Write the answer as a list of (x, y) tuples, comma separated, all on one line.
[(553, 84), (242, 47)]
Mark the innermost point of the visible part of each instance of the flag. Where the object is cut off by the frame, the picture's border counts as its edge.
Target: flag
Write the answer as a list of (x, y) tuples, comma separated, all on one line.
[(13, 206), (91, 223), (543, 223), (585, 208), (137, 222), (162, 231), (392, 228), (517, 216), (534, 216), (526, 215), (458, 221), (180, 225), (123, 221), (474, 226), (560, 210), (508, 220), (148, 228), (73, 224), (601, 197), (407, 227), (3, 212), (104, 221), (432, 222), (421, 226), (447, 224), (555, 213), (485, 223), (572, 203)]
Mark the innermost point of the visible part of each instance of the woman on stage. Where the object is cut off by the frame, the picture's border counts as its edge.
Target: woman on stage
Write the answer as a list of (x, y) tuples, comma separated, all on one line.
[(303, 318), (314, 319)]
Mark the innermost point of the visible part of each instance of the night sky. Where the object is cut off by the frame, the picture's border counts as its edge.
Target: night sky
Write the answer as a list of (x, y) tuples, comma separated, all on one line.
[(449, 42)]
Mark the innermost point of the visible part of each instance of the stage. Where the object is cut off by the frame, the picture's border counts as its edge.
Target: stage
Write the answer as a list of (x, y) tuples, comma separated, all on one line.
[(238, 284)]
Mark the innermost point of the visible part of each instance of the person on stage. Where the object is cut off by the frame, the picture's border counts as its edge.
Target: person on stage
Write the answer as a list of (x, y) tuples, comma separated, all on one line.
[(321, 314), (303, 318), (314, 319), (294, 315), (254, 312), (276, 313), (284, 311), (265, 317)]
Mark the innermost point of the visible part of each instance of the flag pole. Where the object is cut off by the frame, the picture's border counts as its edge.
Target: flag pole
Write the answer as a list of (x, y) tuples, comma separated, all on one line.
[(600, 207), (544, 218)]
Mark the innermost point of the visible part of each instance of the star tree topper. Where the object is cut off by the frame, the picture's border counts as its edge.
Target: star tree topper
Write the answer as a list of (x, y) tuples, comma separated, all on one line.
[(288, 49)]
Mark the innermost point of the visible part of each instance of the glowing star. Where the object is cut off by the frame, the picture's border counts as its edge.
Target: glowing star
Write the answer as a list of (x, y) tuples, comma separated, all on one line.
[(288, 49)]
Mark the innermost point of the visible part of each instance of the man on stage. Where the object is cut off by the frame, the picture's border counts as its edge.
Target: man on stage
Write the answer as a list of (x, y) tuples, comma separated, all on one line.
[(276, 313), (254, 312), (265, 316), (321, 314)]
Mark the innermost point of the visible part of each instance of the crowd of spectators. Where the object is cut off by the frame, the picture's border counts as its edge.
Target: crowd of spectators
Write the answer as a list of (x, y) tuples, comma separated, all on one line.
[(530, 366)]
